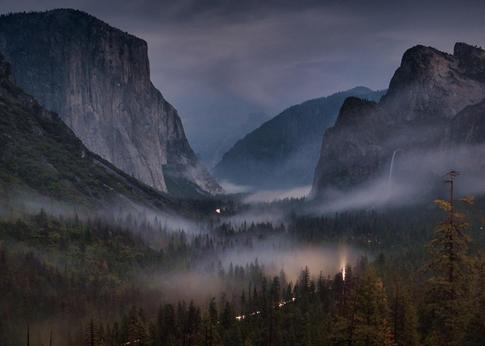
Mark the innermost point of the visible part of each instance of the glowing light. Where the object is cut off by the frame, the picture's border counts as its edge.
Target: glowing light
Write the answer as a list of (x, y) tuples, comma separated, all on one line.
[(254, 313), (343, 261), (218, 210)]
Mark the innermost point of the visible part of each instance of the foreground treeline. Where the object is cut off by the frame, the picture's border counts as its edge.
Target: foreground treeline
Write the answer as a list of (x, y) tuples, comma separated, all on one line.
[(324, 311), (63, 270), (360, 310), (72, 282)]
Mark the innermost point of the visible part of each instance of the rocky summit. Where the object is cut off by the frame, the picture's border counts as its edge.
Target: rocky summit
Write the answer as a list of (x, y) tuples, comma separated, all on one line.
[(434, 99), (97, 78)]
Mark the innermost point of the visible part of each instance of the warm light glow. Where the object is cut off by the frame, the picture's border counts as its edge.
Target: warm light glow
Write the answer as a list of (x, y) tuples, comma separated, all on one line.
[(279, 305), (343, 261)]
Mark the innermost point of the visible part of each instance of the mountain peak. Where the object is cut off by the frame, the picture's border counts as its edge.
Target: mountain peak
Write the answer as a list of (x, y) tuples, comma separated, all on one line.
[(418, 59), (436, 83), (421, 53), (463, 50), (471, 59), (352, 108), (417, 62), (426, 92)]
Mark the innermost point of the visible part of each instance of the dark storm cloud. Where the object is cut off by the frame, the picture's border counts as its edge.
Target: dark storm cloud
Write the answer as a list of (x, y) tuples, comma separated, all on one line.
[(217, 61)]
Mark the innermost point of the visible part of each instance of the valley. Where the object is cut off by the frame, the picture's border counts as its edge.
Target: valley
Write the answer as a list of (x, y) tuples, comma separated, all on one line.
[(355, 218)]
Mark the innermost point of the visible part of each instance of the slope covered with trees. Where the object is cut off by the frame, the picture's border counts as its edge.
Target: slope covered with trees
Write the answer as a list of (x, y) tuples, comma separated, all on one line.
[(422, 283), (41, 157)]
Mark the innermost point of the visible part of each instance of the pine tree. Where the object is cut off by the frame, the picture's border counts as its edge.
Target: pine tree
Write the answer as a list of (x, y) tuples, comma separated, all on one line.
[(137, 330), (475, 329), (403, 318), (91, 334), (449, 267), (371, 324)]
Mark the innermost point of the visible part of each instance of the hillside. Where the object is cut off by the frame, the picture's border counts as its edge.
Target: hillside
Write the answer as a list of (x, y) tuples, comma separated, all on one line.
[(40, 157), (284, 150)]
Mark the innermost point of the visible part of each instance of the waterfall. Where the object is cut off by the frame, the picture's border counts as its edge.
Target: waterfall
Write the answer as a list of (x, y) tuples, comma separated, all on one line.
[(391, 169)]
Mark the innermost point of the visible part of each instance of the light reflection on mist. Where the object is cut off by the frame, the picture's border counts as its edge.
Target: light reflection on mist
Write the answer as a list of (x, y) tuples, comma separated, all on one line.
[(200, 285), (278, 254)]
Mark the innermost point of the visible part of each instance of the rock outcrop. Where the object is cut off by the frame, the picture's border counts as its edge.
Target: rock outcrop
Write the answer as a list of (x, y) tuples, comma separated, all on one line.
[(419, 111), (40, 156), (468, 126), (98, 79), (284, 150)]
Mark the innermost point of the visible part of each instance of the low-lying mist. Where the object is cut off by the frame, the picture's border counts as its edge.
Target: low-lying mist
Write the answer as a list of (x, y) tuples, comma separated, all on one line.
[(120, 212), (279, 254), (279, 194), (413, 177), (274, 256)]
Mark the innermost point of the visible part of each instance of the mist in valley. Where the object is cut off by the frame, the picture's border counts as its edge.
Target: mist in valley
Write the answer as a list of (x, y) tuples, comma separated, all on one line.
[(411, 177), (130, 216)]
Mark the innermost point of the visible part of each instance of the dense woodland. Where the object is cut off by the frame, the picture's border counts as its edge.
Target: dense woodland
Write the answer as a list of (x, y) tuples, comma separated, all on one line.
[(76, 281), (113, 233)]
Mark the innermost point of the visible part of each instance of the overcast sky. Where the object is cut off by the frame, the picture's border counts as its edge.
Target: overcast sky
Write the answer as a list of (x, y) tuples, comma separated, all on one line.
[(217, 61)]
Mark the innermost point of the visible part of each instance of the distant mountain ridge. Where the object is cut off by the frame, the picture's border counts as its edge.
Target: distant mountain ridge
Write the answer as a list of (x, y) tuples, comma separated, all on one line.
[(284, 150), (97, 78), (435, 101)]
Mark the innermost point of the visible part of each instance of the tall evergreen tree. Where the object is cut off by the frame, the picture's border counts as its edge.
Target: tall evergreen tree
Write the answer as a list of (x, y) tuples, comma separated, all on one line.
[(371, 311), (449, 267), (403, 318), (475, 329)]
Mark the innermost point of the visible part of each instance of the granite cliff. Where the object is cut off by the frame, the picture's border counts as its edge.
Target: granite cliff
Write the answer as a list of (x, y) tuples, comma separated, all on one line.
[(97, 78), (41, 156), (434, 100)]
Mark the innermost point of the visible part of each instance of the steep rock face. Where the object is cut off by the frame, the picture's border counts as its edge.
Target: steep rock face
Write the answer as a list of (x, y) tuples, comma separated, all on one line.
[(97, 78), (283, 151), (39, 154), (431, 84), (468, 126), (358, 156), (425, 94)]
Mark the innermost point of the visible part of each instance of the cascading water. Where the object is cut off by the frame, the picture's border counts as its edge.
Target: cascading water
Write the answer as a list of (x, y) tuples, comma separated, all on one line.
[(391, 169)]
